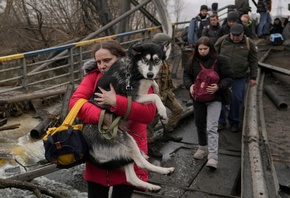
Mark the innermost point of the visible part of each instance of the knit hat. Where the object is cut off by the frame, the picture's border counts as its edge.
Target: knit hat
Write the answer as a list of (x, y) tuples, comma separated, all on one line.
[(161, 39), (237, 29), (203, 7), (233, 16), (232, 8)]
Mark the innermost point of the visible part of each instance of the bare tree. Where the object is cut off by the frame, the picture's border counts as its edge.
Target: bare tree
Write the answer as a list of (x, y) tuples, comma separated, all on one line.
[(177, 7), (28, 25), (123, 26)]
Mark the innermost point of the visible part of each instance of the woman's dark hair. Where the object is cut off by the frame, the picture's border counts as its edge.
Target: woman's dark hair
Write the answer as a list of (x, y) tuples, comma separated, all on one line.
[(207, 42), (111, 45), (278, 19)]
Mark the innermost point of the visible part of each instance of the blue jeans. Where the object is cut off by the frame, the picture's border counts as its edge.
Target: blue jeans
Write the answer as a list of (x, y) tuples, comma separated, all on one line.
[(238, 91), (264, 24)]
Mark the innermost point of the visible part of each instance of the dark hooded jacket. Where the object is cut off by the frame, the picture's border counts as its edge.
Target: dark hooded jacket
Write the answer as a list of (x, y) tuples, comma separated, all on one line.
[(211, 32), (264, 5), (222, 68), (240, 58)]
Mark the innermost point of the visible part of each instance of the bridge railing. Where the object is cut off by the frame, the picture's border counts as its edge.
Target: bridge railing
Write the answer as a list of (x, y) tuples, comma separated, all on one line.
[(55, 67)]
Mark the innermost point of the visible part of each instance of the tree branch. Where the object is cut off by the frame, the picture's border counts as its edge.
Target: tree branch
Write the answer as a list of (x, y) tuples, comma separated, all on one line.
[(37, 190)]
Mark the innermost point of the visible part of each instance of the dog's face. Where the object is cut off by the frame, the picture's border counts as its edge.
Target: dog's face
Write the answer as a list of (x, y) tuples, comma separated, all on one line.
[(149, 58)]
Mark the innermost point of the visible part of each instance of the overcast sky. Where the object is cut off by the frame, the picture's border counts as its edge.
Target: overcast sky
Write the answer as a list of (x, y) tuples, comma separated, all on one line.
[(190, 8)]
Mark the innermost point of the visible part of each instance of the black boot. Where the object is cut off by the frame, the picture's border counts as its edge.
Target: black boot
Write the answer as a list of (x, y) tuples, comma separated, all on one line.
[(153, 151), (169, 137)]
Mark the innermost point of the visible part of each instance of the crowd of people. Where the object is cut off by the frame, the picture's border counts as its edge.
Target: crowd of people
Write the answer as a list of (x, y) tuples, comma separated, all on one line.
[(207, 22), (226, 48), (233, 42)]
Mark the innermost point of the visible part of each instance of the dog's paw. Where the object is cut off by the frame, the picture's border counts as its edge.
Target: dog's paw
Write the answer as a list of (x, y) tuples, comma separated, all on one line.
[(163, 114), (152, 187), (168, 171)]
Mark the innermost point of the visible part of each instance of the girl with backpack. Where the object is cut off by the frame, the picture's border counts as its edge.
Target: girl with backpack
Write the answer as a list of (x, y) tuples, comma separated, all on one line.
[(207, 109)]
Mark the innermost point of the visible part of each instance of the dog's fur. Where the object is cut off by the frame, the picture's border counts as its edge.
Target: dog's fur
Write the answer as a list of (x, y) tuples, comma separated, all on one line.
[(144, 62)]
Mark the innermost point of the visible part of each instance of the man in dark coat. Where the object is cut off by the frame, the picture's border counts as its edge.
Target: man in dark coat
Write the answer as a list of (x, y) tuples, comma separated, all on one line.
[(241, 54), (233, 19), (197, 24), (211, 31), (264, 8), (243, 6)]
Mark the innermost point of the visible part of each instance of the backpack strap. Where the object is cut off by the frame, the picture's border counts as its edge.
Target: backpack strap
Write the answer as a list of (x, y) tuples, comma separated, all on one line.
[(248, 43), (73, 112), (203, 67)]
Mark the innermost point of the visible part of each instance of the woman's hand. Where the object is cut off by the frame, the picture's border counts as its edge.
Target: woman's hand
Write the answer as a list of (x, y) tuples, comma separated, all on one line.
[(191, 90), (212, 88), (107, 97)]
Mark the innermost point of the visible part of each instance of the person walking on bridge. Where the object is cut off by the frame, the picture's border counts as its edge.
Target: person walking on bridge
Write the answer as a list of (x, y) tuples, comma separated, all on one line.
[(264, 8), (197, 24), (241, 53), (166, 87), (99, 180), (212, 29), (207, 112)]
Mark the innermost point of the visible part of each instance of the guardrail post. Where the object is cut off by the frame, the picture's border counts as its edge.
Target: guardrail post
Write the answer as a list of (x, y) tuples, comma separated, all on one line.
[(81, 74), (24, 74), (71, 64)]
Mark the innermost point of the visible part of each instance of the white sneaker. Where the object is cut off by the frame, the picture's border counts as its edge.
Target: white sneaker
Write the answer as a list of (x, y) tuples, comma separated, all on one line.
[(212, 161), (200, 153)]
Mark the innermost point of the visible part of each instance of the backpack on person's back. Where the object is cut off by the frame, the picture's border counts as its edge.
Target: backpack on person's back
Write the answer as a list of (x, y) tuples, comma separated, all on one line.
[(205, 78), (184, 34)]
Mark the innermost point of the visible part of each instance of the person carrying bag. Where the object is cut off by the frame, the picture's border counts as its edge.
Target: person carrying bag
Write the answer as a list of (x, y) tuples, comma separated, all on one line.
[(65, 145)]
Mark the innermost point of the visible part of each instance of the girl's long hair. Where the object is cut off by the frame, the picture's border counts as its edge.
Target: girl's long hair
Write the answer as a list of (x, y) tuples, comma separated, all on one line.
[(207, 42)]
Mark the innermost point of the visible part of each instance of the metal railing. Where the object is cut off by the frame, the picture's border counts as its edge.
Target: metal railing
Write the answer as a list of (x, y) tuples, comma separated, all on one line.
[(55, 67), (43, 70)]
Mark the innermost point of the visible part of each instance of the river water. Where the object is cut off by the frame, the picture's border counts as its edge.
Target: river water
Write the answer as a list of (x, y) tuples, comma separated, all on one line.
[(20, 153)]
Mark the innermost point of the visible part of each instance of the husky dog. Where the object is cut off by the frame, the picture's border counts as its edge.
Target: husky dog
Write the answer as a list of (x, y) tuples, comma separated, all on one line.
[(138, 72)]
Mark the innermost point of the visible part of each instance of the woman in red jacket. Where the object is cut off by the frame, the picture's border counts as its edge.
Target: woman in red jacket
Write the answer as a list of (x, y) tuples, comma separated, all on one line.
[(99, 180)]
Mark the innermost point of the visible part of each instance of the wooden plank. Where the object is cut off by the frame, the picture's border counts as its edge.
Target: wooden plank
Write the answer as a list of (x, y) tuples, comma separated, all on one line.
[(199, 194), (223, 180), (3, 121), (9, 127), (31, 96), (186, 169), (30, 175), (283, 173)]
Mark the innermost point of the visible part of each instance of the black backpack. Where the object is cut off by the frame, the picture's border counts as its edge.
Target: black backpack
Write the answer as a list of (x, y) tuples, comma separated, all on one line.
[(184, 34)]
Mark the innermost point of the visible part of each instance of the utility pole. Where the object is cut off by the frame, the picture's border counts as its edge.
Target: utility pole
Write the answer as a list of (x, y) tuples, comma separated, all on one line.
[(279, 9)]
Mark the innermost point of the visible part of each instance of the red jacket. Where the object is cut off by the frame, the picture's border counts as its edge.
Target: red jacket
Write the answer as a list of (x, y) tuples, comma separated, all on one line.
[(140, 115)]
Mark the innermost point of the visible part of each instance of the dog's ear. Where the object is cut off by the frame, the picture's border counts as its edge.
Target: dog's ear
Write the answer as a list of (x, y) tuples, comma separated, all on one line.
[(134, 49), (167, 50)]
